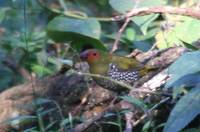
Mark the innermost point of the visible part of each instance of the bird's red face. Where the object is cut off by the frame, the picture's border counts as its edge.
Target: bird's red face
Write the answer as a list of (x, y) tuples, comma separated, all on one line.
[(90, 55)]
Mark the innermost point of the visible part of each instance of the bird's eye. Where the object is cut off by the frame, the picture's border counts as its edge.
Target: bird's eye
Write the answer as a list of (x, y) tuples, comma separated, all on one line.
[(94, 54)]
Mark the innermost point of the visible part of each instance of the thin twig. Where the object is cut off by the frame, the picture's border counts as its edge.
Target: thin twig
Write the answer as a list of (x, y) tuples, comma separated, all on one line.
[(195, 13), (150, 110), (119, 34)]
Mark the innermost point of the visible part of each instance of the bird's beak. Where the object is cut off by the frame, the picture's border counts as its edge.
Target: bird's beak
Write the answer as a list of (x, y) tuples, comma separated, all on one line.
[(83, 55)]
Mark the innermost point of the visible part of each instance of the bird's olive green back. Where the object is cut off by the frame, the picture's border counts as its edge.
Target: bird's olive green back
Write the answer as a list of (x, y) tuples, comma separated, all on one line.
[(101, 65)]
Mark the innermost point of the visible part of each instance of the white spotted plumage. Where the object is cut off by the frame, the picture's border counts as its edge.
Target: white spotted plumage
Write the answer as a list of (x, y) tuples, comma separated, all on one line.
[(124, 76), (128, 77)]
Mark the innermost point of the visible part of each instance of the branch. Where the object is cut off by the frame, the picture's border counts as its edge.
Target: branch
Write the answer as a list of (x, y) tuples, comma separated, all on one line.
[(191, 12), (195, 13), (119, 34)]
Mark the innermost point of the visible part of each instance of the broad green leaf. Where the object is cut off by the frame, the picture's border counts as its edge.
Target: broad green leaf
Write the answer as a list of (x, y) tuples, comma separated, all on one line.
[(185, 70), (186, 109), (77, 31), (41, 70), (123, 6), (150, 34), (188, 31), (144, 21), (166, 39)]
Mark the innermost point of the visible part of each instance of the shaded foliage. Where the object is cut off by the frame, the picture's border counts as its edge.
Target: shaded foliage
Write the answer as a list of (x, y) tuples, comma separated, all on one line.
[(38, 37)]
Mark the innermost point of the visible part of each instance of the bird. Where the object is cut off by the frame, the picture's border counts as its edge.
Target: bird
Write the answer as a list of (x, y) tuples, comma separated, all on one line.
[(119, 68)]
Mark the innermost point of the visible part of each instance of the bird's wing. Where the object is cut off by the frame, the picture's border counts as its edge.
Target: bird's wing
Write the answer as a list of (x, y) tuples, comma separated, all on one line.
[(126, 64)]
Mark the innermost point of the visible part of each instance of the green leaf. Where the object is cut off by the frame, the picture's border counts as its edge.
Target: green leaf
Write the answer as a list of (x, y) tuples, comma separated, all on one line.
[(166, 39), (190, 46), (144, 21), (188, 31), (130, 34), (122, 6), (77, 31), (185, 70), (150, 34), (186, 109), (40, 69), (2, 14)]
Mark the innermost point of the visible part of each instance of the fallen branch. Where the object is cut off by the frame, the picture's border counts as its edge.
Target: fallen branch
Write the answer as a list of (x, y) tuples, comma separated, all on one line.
[(65, 91)]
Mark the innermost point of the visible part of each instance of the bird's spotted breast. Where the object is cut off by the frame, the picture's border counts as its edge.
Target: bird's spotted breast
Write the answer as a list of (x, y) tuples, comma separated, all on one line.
[(124, 76), (127, 77)]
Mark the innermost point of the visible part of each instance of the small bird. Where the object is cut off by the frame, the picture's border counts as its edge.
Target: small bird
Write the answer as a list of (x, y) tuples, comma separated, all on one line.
[(119, 68)]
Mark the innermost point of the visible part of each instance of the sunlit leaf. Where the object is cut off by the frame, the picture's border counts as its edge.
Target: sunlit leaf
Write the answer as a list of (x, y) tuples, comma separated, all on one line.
[(187, 31), (166, 39)]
